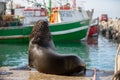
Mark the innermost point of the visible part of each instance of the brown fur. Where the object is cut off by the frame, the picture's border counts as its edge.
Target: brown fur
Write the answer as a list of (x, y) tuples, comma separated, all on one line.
[(40, 34), (43, 57)]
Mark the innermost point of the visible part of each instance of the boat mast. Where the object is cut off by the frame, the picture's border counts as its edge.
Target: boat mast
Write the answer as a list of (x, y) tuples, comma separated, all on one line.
[(49, 9), (50, 6), (44, 4), (11, 7), (74, 4)]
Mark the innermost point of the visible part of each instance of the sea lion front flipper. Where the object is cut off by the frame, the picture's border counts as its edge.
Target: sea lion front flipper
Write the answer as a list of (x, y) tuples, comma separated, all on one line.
[(26, 67)]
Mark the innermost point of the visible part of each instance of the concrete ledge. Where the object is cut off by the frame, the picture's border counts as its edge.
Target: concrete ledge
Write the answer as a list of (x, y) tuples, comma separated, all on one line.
[(6, 74)]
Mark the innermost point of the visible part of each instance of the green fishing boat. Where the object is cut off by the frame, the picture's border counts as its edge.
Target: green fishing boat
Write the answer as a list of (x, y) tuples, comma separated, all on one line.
[(66, 24)]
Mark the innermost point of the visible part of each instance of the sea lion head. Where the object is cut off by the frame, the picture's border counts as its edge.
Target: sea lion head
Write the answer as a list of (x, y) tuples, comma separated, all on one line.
[(40, 33)]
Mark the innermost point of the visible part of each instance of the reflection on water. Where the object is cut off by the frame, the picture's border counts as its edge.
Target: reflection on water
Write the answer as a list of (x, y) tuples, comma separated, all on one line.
[(13, 54), (102, 55), (96, 53)]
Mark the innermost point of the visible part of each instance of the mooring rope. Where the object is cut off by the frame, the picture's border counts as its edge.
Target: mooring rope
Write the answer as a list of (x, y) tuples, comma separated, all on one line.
[(94, 76)]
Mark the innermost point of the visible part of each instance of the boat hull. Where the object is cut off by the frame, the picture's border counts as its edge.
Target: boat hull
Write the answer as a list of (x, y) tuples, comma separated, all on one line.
[(72, 31)]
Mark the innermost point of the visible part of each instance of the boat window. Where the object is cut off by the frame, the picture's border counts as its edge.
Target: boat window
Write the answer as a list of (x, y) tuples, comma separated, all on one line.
[(66, 13)]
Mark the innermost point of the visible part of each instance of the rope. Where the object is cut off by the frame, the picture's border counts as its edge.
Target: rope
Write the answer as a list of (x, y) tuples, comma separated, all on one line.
[(94, 76)]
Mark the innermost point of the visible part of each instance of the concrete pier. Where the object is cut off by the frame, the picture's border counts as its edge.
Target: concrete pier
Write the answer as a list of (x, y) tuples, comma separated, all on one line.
[(6, 74), (110, 29)]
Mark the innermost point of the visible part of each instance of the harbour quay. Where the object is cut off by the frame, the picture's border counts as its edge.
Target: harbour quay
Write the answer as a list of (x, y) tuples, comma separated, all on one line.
[(110, 29)]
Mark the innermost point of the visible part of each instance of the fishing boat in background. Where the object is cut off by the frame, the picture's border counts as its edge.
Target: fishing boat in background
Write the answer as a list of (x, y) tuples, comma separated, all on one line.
[(94, 28), (66, 23)]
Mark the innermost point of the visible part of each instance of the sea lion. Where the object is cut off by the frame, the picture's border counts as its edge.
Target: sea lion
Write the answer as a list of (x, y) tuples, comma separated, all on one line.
[(43, 57)]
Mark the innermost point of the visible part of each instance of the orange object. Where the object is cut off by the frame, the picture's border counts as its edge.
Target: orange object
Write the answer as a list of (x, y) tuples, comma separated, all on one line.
[(52, 18)]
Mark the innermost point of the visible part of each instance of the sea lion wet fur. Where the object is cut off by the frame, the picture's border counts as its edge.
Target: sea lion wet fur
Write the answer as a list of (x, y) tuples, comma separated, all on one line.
[(44, 58)]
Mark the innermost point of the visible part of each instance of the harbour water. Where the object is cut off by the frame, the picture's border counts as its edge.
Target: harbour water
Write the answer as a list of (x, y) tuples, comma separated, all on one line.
[(98, 54)]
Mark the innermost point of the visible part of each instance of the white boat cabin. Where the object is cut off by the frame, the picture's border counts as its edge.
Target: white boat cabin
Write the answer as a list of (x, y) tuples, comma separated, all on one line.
[(68, 16), (32, 15), (60, 14)]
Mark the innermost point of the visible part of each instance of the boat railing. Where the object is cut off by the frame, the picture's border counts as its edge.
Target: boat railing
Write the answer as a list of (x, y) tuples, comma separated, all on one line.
[(10, 23)]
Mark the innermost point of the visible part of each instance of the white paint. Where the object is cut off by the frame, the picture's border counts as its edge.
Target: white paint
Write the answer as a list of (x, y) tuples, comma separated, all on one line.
[(32, 20), (72, 15), (69, 31)]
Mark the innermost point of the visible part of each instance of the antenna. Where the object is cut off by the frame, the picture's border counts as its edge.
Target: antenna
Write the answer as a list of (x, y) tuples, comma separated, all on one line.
[(44, 3)]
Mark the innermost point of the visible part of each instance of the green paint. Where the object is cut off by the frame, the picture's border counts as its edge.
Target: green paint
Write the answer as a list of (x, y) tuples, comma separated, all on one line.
[(11, 31)]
